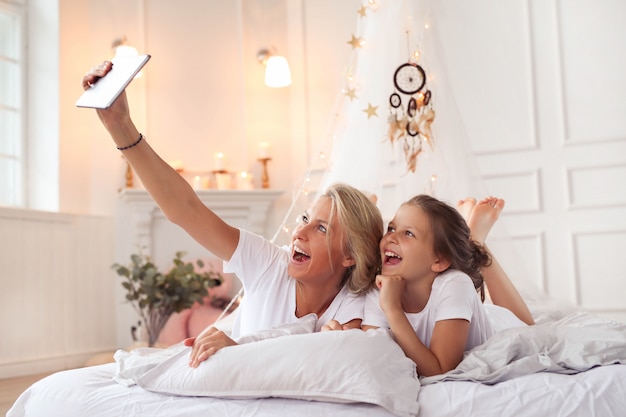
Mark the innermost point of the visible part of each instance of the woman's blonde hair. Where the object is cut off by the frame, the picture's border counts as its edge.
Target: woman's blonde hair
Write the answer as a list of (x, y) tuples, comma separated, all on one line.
[(362, 226)]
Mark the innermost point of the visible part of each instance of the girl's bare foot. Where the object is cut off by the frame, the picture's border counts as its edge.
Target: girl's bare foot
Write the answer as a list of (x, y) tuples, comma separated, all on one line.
[(483, 216), (465, 207)]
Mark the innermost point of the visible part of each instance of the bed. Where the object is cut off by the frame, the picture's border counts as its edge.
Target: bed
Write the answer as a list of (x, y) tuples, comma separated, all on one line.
[(572, 363)]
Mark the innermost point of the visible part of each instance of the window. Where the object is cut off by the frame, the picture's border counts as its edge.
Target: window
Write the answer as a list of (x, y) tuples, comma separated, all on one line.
[(12, 110)]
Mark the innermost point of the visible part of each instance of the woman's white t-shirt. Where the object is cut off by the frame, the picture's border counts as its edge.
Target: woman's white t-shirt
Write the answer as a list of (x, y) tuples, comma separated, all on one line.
[(452, 297), (270, 293)]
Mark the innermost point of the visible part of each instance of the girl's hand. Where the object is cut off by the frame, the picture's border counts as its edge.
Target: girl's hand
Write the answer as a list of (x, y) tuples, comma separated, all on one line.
[(391, 288), (206, 344)]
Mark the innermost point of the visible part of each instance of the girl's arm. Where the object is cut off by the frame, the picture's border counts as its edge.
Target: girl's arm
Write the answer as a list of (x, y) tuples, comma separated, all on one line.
[(446, 347), (448, 340), (174, 196)]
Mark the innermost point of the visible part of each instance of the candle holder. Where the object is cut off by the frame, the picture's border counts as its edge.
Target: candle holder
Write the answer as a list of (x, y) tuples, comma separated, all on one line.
[(265, 178), (222, 179), (128, 175)]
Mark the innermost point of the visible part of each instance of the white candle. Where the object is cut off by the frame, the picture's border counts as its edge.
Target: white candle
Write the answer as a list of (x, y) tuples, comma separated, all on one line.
[(197, 182), (219, 161), (222, 181), (177, 165), (244, 181), (263, 150)]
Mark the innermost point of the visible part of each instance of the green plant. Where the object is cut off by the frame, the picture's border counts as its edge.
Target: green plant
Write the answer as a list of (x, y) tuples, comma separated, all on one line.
[(156, 296)]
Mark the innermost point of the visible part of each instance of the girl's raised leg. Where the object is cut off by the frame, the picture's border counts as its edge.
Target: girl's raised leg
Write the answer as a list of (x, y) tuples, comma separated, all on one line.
[(481, 218)]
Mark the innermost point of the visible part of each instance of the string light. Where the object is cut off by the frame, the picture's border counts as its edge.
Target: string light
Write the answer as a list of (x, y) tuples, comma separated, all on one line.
[(372, 5), (431, 185)]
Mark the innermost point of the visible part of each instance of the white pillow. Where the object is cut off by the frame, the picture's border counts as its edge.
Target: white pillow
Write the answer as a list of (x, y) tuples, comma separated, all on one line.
[(131, 365), (304, 324), (335, 366)]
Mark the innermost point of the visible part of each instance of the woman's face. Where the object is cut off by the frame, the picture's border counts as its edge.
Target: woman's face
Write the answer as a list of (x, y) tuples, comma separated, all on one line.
[(407, 246), (314, 257)]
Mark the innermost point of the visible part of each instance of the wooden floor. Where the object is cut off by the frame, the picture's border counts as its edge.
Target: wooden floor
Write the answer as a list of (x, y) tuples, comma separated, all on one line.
[(11, 388)]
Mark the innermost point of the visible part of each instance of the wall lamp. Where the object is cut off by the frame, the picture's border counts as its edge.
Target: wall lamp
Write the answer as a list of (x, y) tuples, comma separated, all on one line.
[(122, 48), (277, 73)]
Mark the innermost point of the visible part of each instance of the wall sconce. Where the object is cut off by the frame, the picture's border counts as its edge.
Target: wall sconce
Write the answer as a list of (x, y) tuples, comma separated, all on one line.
[(122, 49), (277, 73)]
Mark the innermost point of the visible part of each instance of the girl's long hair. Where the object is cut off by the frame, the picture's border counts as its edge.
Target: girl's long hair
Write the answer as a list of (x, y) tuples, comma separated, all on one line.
[(452, 241)]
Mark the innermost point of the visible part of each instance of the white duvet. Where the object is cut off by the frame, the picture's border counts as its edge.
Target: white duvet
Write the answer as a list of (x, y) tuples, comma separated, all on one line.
[(571, 367), (575, 343)]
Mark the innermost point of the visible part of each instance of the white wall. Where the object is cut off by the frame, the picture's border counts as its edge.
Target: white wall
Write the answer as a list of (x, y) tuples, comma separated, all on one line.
[(56, 303), (540, 90)]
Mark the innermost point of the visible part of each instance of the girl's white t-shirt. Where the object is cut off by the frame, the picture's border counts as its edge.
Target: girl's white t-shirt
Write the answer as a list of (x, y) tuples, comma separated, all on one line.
[(453, 296), (270, 293)]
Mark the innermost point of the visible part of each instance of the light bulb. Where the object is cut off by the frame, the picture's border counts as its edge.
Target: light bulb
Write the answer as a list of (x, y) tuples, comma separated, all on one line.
[(277, 73)]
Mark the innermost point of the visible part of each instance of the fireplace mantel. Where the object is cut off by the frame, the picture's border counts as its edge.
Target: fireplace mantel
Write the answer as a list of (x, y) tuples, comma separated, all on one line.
[(244, 209)]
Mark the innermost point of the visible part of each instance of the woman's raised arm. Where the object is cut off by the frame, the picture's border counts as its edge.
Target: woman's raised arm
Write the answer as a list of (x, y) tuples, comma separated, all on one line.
[(170, 191)]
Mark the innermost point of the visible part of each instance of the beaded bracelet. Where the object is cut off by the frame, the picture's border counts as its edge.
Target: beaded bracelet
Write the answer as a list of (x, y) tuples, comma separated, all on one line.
[(123, 148)]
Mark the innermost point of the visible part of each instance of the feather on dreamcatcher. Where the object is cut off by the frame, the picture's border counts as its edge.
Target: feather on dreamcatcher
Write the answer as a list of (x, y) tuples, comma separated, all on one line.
[(410, 119)]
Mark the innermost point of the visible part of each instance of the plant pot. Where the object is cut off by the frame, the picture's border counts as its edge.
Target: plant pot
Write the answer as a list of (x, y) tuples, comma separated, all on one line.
[(154, 321)]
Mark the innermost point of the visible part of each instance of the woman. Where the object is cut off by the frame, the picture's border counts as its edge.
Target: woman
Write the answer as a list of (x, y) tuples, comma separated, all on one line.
[(332, 259)]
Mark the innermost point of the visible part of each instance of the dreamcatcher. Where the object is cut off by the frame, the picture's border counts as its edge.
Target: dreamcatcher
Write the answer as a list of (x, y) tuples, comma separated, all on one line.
[(410, 118)]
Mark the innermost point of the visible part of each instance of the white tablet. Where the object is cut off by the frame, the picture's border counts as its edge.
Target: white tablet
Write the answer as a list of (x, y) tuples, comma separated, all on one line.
[(103, 93)]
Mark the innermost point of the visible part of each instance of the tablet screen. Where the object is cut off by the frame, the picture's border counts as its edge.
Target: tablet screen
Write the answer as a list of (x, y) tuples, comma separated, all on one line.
[(103, 93)]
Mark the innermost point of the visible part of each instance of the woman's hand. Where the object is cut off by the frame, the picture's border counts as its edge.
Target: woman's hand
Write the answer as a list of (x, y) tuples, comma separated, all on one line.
[(206, 344), (335, 325), (331, 325), (118, 112)]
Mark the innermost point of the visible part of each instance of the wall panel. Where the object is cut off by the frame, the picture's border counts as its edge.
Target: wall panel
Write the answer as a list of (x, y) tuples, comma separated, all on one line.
[(57, 304)]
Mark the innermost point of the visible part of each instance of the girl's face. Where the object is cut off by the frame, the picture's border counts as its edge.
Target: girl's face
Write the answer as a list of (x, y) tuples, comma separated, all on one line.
[(407, 246), (314, 257)]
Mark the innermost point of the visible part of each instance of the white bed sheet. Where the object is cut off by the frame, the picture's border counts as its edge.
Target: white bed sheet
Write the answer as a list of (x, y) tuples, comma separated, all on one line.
[(599, 392)]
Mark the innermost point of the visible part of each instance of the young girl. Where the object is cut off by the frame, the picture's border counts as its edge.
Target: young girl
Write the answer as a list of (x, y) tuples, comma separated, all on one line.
[(431, 272)]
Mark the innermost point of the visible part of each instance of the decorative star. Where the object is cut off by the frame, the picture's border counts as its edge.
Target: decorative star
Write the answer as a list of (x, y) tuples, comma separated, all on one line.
[(351, 92), (371, 110), (355, 42), (362, 11)]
